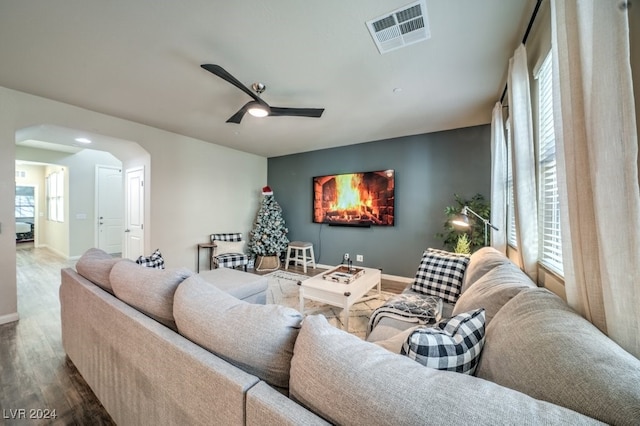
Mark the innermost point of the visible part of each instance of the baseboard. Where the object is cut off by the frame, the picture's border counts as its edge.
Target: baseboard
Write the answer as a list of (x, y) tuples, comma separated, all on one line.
[(389, 277), (59, 253), (398, 278), (5, 319)]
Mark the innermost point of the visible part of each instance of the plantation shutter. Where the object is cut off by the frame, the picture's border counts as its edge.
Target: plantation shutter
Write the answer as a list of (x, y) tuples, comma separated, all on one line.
[(511, 211), (549, 215)]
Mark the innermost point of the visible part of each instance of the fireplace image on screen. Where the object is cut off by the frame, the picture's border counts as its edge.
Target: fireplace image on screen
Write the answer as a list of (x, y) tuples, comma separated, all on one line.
[(355, 199)]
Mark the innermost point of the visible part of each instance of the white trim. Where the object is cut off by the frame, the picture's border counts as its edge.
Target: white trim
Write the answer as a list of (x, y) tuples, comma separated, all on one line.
[(5, 319)]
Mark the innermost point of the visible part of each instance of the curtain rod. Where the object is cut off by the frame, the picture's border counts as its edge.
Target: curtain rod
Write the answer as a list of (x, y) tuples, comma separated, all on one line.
[(524, 39)]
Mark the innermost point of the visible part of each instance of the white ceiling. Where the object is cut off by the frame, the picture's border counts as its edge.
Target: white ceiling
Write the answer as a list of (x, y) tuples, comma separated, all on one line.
[(140, 60)]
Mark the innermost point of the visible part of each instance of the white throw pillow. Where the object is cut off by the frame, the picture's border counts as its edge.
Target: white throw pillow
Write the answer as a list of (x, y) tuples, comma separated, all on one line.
[(225, 247)]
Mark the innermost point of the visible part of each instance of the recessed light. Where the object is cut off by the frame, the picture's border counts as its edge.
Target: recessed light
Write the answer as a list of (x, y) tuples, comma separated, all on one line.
[(83, 140)]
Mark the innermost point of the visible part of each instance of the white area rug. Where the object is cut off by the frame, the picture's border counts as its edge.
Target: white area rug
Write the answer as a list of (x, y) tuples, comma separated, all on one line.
[(284, 290)]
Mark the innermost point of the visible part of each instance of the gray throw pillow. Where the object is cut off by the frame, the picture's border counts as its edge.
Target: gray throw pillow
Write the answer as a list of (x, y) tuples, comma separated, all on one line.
[(95, 265), (149, 290), (481, 262), (493, 290), (349, 381), (257, 338)]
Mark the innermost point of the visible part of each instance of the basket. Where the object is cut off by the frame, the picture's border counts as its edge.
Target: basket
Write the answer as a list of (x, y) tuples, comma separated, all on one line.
[(267, 263)]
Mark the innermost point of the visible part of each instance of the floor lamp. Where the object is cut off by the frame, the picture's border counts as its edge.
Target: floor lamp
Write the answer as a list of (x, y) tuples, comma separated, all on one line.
[(463, 220)]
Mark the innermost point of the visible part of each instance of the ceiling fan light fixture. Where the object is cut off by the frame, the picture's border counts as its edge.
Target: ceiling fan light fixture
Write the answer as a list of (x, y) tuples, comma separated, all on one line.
[(258, 110)]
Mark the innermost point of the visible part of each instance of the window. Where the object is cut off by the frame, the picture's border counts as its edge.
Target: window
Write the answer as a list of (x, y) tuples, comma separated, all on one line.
[(511, 210), (25, 203), (549, 205), (55, 196)]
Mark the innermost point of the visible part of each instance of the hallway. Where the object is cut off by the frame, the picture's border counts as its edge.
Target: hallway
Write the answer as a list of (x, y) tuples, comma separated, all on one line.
[(35, 373)]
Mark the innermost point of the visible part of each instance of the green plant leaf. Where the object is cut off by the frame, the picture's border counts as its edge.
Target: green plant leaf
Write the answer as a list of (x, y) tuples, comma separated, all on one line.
[(475, 233)]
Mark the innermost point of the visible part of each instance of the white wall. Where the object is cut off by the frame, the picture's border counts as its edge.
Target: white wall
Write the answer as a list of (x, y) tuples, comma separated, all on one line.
[(194, 187), (72, 238)]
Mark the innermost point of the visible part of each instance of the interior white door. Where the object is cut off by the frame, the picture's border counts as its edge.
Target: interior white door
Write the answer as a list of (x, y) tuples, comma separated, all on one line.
[(110, 212), (134, 213)]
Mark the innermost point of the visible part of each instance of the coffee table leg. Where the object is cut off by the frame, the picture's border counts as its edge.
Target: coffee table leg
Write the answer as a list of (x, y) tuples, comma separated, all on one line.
[(345, 316)]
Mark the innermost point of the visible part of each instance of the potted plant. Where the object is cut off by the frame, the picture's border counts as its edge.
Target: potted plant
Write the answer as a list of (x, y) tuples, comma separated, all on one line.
[(475, 234)]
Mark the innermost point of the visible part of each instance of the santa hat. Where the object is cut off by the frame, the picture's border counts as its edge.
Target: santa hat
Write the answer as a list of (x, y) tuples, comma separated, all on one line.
[(266, 190)]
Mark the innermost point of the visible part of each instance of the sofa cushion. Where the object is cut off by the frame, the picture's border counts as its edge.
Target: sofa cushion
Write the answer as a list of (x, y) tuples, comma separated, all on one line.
[(349, 381), (453, 344), (154, 261), (481, 262), (536, 344), (95, 265), (440, 274), (257, 338), (240, 284), (493, 290), (149, 290)]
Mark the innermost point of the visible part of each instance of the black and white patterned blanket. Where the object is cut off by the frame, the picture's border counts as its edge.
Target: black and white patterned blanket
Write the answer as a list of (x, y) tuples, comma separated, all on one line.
[(416, 308)]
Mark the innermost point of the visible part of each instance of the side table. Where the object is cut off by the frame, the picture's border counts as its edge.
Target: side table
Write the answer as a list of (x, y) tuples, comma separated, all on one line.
[(209, 246)]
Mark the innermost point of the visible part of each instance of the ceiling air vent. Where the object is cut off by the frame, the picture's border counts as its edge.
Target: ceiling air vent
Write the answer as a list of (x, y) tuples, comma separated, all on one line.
[(400, 27)]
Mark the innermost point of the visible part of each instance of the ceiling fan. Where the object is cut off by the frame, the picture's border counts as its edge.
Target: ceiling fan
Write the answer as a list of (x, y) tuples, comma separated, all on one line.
[(257, 107)]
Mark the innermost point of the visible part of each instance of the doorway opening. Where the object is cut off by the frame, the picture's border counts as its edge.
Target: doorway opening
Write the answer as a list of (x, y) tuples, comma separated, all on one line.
[(25, 213), (94, 191)]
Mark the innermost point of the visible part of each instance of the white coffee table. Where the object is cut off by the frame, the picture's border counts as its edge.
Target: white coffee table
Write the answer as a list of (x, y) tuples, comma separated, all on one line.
[(339, 294)]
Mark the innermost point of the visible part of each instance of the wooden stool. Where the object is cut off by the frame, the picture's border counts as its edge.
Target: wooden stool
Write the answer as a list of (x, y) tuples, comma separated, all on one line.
[(299, 249)]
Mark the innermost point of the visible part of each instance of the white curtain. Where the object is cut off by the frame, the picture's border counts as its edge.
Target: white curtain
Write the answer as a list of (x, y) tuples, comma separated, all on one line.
[(498, 181), (597, 153), (523, 160)]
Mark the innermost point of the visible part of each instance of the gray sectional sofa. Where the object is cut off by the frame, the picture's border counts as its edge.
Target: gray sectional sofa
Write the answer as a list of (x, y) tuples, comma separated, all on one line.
[(169, 347)]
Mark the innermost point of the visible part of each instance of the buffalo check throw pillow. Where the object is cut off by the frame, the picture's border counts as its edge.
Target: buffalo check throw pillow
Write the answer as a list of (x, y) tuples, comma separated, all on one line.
[(440, 274), (154, 261), (453, 344)]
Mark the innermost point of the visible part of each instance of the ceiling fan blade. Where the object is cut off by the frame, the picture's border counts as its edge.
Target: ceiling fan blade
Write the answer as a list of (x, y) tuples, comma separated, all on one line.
[(237, 117), (223, 74), (297, 112)]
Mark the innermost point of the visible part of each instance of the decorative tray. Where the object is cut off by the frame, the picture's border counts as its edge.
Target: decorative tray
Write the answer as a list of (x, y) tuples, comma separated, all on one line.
[(343, 274)]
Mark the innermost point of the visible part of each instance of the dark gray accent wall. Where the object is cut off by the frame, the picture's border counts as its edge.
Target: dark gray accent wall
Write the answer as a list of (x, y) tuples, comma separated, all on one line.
[(429, 169)]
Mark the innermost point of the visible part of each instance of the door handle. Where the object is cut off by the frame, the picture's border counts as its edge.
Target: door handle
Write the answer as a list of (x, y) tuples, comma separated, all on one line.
[(127, 230)]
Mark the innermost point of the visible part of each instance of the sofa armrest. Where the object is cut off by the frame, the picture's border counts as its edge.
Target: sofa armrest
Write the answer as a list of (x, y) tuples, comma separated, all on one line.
[(140, 370)]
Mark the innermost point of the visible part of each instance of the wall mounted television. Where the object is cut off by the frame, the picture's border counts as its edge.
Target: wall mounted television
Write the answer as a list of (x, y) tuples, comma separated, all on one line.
[(355, 199)]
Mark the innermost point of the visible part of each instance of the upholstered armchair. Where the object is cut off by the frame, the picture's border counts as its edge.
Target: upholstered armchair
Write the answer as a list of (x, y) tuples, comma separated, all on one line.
[(228, 251)]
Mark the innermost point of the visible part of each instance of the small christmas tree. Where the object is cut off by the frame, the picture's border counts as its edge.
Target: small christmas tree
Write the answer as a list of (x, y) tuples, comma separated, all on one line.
[(269, 234)]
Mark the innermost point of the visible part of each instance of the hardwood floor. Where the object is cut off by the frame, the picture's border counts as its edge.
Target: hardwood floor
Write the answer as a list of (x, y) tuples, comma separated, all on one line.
[(36, 377)]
